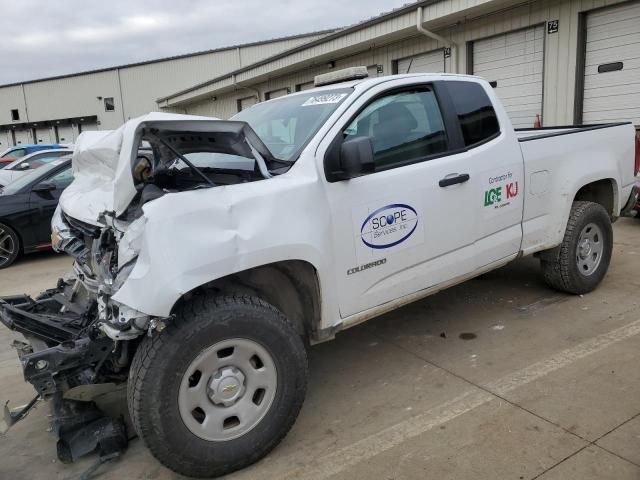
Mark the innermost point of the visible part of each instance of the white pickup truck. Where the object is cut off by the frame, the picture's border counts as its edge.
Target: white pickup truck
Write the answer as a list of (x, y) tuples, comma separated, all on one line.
[(209, 254)]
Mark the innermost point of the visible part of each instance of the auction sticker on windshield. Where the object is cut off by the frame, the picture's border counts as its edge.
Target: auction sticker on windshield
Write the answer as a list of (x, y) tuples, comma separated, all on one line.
[(387, 226), (324, 99)]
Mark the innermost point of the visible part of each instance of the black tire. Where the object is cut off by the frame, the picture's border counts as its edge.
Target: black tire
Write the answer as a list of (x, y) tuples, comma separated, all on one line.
[(162, 360), (9, 246), (564, 274)]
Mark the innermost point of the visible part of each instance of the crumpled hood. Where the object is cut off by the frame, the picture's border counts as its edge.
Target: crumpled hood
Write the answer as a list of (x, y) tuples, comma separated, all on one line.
[(102, 168)]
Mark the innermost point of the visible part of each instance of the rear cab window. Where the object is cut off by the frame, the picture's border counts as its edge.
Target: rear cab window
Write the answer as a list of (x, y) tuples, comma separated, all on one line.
[(475, 112)]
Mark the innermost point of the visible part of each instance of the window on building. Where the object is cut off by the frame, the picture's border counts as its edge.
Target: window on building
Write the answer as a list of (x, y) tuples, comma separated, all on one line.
[(15, 115), (405, 127), (109, 104), (477, 117)]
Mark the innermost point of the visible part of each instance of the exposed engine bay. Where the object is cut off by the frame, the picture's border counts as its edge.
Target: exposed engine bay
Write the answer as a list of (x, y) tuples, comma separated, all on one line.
[(77, 334)]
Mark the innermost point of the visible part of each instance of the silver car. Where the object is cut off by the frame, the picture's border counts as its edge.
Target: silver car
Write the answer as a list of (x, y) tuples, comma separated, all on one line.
[(30, 162)]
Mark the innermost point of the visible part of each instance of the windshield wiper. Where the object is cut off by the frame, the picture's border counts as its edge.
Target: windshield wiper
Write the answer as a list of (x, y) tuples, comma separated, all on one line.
[(195, 169)]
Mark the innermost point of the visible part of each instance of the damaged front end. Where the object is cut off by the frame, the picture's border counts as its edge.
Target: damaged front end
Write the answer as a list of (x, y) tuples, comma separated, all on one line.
[(78, 342)]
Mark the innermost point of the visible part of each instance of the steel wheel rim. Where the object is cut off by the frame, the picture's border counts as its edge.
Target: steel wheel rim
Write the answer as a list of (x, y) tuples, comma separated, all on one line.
[(227, 389), (590, 249), (7, 246)]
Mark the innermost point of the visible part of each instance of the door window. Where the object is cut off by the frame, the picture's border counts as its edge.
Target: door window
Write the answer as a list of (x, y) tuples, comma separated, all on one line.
[(405, 127), (61, 179)]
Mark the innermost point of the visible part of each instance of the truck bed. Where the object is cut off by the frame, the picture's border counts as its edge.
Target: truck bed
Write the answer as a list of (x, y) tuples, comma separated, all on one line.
[(528, 134), (557, 159)]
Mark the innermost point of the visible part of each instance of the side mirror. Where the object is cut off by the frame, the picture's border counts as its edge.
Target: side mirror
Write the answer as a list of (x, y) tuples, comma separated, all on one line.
[(43, 187), (25, 166), (349, 159), (356, 157)]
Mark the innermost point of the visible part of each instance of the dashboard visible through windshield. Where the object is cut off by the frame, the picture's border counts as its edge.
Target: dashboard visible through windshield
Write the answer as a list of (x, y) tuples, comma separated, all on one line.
[(286, 125)]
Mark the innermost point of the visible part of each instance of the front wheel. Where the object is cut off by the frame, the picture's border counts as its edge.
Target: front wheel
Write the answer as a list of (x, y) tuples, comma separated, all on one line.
[(9, 246), (218, 388), (584, 255)]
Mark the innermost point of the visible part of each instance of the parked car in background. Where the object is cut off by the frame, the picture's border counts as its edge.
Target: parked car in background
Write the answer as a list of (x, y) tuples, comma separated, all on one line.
[(26, 208), (13, 153), (26, 164), (632, 208)]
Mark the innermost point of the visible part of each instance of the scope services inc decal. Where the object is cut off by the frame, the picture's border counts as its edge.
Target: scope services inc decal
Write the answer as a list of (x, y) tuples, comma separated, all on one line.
[(389, 226), (386, 227)]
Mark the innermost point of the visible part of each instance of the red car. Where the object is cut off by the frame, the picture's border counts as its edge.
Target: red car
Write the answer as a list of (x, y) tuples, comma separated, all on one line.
[(632, 208)]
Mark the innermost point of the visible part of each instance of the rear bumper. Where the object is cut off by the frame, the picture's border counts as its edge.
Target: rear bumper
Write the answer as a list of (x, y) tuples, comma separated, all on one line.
[(59, 353)]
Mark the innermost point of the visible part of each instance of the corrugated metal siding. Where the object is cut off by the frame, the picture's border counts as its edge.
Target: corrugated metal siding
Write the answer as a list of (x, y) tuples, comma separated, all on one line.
[(613, 35)]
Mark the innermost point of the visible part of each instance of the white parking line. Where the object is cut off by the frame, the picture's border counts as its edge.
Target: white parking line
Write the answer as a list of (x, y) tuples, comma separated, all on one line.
[(368, 447)]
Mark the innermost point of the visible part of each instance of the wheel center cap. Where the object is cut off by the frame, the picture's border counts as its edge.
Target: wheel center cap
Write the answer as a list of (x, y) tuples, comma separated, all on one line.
[(585, 248), (226, 386)]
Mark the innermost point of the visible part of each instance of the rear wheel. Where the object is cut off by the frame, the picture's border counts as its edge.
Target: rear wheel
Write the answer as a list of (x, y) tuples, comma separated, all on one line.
[(9, 246), (218, 388), (583, 256)]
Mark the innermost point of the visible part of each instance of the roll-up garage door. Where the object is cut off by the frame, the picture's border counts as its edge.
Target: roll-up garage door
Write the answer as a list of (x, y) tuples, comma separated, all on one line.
[(281, 92), (612, 65), (43, 135), (513, 62), (304, 86), (244, 103), (430, 62), (65, 134), (23, 137), (86, 127)]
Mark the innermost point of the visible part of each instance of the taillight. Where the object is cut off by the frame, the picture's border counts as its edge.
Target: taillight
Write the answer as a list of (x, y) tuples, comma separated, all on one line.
[(637, 154)]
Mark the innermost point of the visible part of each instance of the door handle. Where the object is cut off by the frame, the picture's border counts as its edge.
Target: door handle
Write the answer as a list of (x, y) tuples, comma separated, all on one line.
[(454, 179)]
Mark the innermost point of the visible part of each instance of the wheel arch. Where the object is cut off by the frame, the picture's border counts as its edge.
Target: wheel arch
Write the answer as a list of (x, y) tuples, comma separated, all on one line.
[(292, 286), (603, 192)]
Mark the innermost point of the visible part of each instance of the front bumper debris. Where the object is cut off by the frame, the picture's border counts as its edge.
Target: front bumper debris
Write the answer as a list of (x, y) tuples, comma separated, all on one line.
[(64, 350), (58, 352)]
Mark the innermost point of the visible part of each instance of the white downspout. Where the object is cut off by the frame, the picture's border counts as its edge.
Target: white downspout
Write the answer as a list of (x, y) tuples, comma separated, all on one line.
[(448, 43)]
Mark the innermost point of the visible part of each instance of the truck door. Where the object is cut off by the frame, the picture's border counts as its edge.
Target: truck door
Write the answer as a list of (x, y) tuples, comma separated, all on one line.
[(498, 167), (411, 223)]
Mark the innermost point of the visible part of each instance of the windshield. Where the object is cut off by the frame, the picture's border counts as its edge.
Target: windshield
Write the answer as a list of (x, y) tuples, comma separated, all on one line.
[(14, 153), (286, 125), (21, 182)]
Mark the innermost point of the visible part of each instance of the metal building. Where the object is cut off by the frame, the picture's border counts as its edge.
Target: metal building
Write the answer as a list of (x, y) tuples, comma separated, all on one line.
[(57, 109), (555, 62)]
